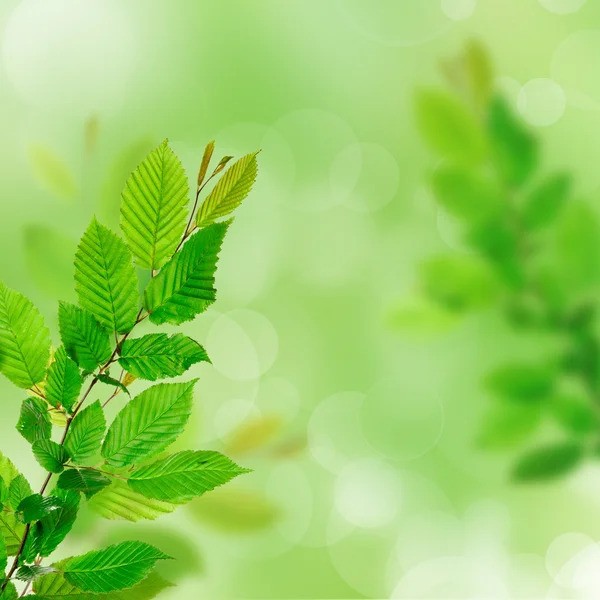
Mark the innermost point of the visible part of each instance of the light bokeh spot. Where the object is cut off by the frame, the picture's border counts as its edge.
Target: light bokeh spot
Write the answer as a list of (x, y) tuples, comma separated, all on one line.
[(542, 102), (562, 7), (459, 10)]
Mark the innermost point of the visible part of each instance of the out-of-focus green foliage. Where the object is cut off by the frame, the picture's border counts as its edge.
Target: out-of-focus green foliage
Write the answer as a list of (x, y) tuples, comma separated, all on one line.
[(530, 253)]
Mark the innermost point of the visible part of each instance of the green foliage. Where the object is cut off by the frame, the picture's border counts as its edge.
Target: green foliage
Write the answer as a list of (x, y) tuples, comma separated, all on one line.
[(109, 468), (531, 254), (157, 355)]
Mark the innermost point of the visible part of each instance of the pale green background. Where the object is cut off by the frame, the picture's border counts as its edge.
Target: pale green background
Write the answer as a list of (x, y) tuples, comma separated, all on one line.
[(389, 497)]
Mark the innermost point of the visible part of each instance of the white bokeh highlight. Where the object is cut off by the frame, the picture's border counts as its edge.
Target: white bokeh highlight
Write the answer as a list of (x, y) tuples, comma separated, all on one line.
[(459, 10), (542, 102), (562, 7)]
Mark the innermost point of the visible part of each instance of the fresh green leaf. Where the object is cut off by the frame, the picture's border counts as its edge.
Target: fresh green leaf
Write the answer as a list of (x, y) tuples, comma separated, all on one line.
[(85, 434), (575, 414), (64, 381), (117, 567), (231, 190), (521, 382), (52, 529), (32, 572), (3, 556), (544, 203), (514, 149), (52, 171), (184, 475), (50, 455), (157, 355), (86, 341), (120, 502), (154, 208), (8, 471), (10, 592), (24, 340), (86, 481), (36, 507), (208, 152), (149, 423), (548, 462), (449, 128), (19, 490), (108, 380), (185, 286), (12, 531), (466, 193), (34, 421), (105, 278)]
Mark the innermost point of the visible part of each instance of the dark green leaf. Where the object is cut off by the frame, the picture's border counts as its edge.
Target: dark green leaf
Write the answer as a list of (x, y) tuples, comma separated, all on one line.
[(34, 421), (32, 572), (52, 529), (10, 592), (50, 455), (548, 462), (108, 380), (575, 414), (521, 382), (36, 506), (64, 381), (544, 203), (85, 434), (86, 481)]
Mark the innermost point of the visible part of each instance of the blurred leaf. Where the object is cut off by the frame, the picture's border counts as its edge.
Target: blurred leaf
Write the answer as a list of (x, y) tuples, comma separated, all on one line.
[(548, 462), (466, 193), (120, 170), (51, 171), (507, 425), (49, 259), (575, 414), (480, 72), (544, 203), (420, 316), (521, 382), (233, 510), (92, 129), (459, 282), (290, 448), (514, 149), (448, 127), (254, 434)]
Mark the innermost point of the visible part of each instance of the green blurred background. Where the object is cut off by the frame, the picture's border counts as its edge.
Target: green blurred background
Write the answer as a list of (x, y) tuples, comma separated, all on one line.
[(362, 430)]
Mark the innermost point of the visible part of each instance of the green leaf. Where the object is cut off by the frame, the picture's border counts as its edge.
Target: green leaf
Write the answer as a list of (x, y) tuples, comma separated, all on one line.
[(3, 556), (575, 414), (154, 208), (50, 455), (117, 567), (19, 490), (108, 380), (36, 506), (64, 381), (34, 421), (120, 502), (544, 203), (85, 481), (10, 592), (24, 340), (52, 171), (52, 529), (449, 128), (231, 190), (548, 462), (86, 341), (459, 282), (184, 475), (12, 531), (521, 382), (507, 425), (514, 148), (208, 152), (105, 278), (185, 286), (419, 316), (149, 423), (157, 355), (54, 586), (466, 193), (85, 434), (8, 471), (32, 572)]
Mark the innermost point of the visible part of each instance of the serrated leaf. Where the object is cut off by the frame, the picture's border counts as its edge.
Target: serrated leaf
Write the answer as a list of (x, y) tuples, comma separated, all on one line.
[(230, 191), (19, 489), (184, 475), (105, 278), (120, 502), (32, 572), (548, 462), (514, 148), (52, 529), (149, 423), (24, 340), (185, 285), (34, 420), (154, 208), (8, 471), (86, 481), (108, 380), (117, 567), (64, 381), (50, 455), (52, 171), (3, 556), (86, 341), (36, 507), (157, 355), (85, 434), (12, 531), (449, 127)]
